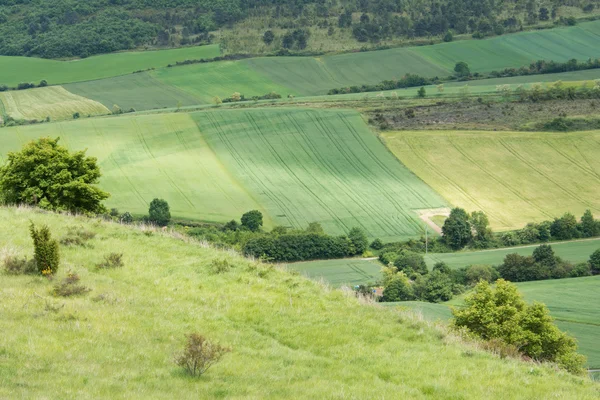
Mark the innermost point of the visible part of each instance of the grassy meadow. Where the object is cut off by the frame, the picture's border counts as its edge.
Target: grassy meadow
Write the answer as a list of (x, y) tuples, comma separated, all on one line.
[(146, 157), (319, 166), (514, 177), (29, 69), (52, 101), (290, 337)]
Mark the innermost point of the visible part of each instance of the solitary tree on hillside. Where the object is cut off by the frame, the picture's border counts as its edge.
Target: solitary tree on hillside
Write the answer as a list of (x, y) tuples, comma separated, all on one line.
[(47, 175), (252, 220), (159, 212), (462, 69), (457, 229)]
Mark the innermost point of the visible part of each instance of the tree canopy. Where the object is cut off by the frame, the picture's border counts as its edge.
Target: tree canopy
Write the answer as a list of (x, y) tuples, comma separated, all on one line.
[(46, 174)]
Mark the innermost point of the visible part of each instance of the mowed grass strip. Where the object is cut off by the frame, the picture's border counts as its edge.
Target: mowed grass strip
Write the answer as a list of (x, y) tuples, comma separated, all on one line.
[(30, 69), (350, 271), (138, 91), (52, 101), (319, 166), (145, 157), (514, 177), (220, 79)]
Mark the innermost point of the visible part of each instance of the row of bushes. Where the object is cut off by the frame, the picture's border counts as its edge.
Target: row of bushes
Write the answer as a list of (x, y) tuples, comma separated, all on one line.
[(547, 67), (306, 246), (23, 86), (408, 80), (237, 97)]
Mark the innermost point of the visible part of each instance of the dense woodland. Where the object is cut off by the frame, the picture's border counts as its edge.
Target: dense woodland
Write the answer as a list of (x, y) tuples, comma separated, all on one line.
[(69, 28)]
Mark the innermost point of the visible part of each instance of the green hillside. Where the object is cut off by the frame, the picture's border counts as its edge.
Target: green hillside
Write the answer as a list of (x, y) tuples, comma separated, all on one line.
[(290, 338), (30, 69), (515, 177), (319, 166)]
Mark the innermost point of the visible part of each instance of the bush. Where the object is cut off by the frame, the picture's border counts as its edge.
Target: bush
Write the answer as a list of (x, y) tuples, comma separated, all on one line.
[(359, 241), (77, 237), (476, 273), (45, 250), (200, 354), (435, 287), (126, 218), (502, 314), (595, 262), (220, 266), (14, 265), (410, 263), (376, 244), (457, 229), (159, 212), (112, 260), (70, 286), (398, 289)]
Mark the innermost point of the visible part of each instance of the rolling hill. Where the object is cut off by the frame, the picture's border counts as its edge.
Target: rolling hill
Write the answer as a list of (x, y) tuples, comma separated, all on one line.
[(290, 338)]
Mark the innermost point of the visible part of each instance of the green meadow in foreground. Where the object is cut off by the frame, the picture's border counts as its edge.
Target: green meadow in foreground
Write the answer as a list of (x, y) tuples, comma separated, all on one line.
[(321, 166), (514, 177), (29, 69), (145, 157), (290, 337)]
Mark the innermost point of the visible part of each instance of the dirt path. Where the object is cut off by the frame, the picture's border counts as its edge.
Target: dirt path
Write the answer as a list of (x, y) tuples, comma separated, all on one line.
[(426, 215)]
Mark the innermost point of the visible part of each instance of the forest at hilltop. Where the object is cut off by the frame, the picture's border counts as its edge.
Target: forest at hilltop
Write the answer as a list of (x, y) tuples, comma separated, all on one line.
[(70, 28)]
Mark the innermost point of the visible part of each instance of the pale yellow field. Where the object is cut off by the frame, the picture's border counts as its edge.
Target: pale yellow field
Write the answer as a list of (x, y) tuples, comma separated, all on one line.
[(52, 101), (515, 177)]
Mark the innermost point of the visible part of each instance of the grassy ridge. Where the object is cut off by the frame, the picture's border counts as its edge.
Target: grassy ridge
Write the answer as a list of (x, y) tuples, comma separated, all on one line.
[(52, 101), (319, 166), (29, 69), (514, 177), (290, 338), (138, 91), (146, 157)]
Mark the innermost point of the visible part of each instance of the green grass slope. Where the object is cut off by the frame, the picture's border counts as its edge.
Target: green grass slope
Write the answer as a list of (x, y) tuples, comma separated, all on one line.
[(138, 91), (515, 177), (28, 69), (290, 338), (319, 166), (146, 157)]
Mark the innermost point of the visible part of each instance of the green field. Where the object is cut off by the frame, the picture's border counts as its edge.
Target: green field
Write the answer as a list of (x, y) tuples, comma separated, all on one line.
[(146, 157), (138, 91), (28, 69), (52, 101), (289, 337), (319, 166), (350, 271), (297, 166), (222, 79), (575, 252), (514, 177)]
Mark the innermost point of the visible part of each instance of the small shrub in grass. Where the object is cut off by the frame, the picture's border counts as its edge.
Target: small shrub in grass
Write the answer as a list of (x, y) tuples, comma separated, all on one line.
[(112, 260), (200, 354), (45, 251), (376, 244), (77, 237), (14, 265), (70, 286), (220, 266)]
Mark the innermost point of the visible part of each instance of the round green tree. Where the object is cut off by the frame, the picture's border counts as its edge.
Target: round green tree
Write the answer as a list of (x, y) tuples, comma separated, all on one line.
[(252, 220), (159, 212), (46, 174), (457, 229)]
